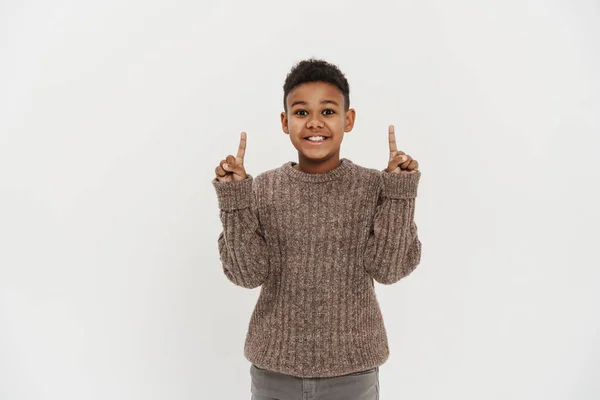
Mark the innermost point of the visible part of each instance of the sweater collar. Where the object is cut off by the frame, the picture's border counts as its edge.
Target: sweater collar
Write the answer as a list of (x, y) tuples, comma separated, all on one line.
[(338, 172)]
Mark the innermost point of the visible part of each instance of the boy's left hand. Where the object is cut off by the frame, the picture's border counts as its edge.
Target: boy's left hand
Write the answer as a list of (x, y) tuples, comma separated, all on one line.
[(399, 162)]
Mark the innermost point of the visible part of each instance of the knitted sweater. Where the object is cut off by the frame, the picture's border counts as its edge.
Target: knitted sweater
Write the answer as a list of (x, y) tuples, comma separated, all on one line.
[(315, 243)]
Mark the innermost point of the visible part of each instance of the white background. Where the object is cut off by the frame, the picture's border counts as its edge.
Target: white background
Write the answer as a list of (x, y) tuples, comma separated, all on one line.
[(113, 116)]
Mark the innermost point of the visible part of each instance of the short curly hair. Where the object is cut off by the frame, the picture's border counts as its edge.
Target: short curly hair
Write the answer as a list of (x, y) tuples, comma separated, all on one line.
[(314, 70)]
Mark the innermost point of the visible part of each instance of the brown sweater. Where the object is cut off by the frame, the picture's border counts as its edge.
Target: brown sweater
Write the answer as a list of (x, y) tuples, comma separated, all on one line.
[(316, 242)]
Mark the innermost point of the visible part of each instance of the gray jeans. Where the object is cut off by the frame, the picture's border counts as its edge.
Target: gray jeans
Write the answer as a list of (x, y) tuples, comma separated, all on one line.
[(269, 385)]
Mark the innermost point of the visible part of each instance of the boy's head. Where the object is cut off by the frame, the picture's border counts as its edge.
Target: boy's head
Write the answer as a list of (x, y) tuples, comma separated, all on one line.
[(313, 70), (316, 103)]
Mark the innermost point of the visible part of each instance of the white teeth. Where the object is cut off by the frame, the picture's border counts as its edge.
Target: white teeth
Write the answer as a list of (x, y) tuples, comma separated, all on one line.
[(316, 138)]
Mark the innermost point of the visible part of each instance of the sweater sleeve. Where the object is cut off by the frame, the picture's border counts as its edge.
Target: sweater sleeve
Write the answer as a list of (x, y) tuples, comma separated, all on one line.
[(393, 248), (242, 247)]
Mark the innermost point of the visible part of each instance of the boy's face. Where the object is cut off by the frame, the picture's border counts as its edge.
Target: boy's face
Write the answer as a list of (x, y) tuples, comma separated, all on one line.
[(316, 109)]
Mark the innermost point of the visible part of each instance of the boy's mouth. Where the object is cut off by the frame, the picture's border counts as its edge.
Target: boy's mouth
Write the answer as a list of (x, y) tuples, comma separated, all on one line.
[(316, 139)]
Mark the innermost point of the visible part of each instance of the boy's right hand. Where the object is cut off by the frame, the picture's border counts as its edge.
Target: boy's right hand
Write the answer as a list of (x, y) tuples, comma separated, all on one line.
[(232, 168)]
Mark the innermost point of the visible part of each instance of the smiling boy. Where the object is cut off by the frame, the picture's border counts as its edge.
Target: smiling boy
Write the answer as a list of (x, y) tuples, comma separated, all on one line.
[(315, 235)]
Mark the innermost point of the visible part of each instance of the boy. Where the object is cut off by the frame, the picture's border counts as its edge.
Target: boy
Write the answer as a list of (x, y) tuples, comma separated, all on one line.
[(315, 234)]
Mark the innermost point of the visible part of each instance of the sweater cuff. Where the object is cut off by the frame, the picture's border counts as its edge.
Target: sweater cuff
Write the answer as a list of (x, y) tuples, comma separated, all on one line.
[(400, 186), (234, 195)]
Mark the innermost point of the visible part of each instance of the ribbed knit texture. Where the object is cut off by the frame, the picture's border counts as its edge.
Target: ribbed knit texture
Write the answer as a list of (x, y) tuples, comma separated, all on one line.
[(316, 242)]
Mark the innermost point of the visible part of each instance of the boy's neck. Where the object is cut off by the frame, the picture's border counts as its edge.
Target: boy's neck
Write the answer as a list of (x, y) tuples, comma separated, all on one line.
[(320, 167)]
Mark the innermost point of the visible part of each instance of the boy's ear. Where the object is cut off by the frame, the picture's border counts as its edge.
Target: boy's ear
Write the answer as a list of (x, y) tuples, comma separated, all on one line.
[(284, 123), (350, 117)]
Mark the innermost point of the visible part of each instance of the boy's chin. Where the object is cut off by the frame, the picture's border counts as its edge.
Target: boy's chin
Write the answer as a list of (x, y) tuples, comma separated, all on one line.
[(316, 156)]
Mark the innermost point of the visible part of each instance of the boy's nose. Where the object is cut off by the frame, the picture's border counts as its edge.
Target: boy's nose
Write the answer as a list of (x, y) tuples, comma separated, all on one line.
[(314, 123)]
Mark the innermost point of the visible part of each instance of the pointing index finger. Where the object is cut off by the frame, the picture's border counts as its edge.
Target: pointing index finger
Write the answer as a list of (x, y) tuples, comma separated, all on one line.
[(242, 149), (392, 139)]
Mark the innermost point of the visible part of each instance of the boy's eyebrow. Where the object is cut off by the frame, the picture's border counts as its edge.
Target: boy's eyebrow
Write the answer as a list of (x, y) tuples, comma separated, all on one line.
[(297, 102), (303, 103)]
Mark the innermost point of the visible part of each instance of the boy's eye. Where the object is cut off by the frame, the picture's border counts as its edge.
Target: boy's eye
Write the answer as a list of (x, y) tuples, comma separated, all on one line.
[(305, 113)]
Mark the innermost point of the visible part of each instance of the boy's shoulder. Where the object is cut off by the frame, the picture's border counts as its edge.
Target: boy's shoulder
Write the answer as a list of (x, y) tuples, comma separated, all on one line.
[(372, 172), (368, 177), (268, 174)]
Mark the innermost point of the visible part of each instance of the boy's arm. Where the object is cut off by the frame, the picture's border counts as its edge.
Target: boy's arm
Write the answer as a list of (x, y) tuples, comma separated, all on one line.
[(393, 248), (242, 248)]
